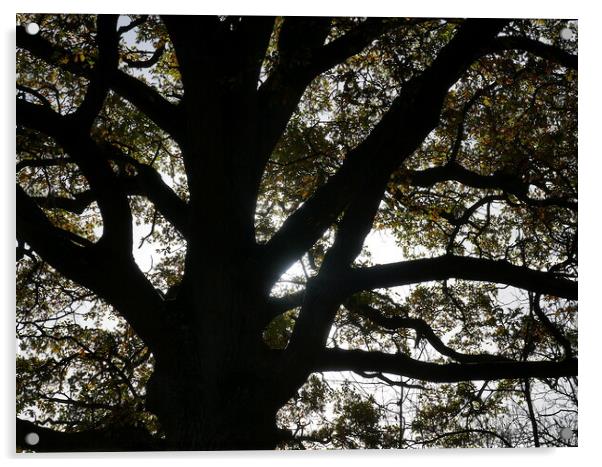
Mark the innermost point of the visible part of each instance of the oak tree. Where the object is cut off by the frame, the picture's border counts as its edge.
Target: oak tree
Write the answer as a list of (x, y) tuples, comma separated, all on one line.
[(253, 157)]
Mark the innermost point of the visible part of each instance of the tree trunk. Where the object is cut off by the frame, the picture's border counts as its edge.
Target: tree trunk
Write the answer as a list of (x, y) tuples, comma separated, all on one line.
[(215, 388), (196, 415)]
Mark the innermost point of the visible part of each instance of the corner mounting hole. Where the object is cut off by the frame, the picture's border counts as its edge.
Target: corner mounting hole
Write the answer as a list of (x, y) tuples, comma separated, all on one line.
[(566, 434), (32, 438), (32, 28), (566, 34)]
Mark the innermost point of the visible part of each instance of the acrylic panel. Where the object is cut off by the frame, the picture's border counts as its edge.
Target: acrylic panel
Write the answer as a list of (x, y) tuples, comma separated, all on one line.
[(257, 233)]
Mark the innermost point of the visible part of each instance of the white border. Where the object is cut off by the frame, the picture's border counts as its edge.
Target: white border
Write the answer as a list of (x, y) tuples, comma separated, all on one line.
[(590, 214)]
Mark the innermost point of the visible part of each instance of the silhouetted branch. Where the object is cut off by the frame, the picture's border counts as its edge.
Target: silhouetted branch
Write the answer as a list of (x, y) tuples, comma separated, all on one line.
[(458, 267), (101, 75), (508, 183), (399, 364), (549, 52), (108, 439), (126, 288), (552, 328)]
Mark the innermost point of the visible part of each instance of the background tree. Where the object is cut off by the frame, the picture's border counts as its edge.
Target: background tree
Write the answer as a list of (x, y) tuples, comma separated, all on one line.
[(253, 156)]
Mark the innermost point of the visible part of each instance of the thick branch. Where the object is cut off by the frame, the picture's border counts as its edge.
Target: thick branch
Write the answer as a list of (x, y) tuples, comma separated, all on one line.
[(399, 364), (55, 244), (109, 439), (319, 308), (148, 183), (549, 52), (125, 287), (279, 305), (93, 161), (353, 42), (77, 204), (155, 57), (552, 328), (509, 183), (107, 41), (457, 267), (133, 24)]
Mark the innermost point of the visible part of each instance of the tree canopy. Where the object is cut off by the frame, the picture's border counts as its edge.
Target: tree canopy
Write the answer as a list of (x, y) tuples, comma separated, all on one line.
[(196, 199)]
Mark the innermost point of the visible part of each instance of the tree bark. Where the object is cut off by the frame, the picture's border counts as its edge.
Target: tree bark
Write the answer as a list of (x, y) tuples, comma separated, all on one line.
[(215, 387)]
